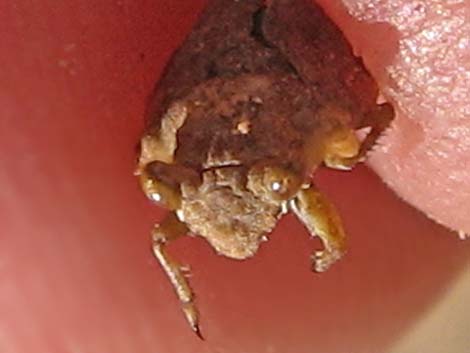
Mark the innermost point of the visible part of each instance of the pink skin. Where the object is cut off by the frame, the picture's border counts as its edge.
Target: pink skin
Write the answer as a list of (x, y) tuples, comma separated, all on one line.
[(76, 272)]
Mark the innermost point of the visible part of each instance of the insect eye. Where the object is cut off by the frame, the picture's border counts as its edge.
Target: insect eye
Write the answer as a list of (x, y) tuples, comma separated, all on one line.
[(273, 183), (156, 196), (276, 186), (283, 187), (159, 191)]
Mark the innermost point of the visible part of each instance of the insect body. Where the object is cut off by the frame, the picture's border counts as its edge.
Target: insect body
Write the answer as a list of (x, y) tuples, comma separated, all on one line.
[(258, 96)]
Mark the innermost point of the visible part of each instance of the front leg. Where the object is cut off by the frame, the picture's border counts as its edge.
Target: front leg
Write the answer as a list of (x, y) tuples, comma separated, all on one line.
[(159, 175), (321, 219), (344, 150), (379, 119), (170, 229)]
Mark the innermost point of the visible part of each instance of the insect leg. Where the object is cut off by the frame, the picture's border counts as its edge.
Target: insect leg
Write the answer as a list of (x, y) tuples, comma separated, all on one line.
[(378, 120), (156, 162), (170, 229), (342, 149), (320, 217)]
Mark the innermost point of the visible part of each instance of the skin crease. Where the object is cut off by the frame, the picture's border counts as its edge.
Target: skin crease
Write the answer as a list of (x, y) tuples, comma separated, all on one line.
[(76, 270)]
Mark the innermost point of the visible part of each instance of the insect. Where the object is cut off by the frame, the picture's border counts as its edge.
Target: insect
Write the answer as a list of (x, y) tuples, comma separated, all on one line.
[(259, 95)]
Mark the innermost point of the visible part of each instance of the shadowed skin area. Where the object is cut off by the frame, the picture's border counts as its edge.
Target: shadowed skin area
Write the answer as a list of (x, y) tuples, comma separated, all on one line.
[(76, 270)]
